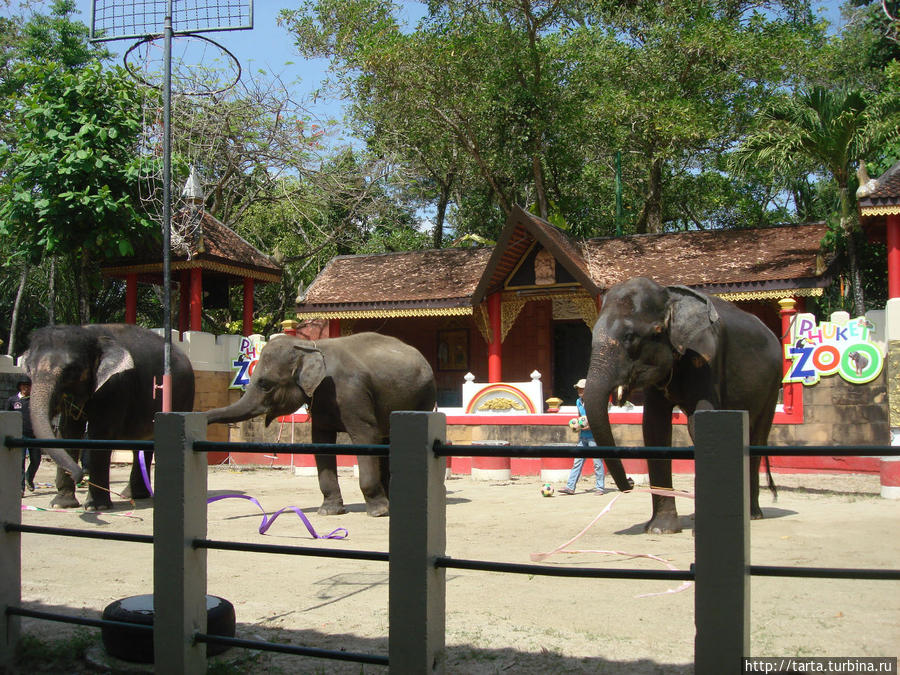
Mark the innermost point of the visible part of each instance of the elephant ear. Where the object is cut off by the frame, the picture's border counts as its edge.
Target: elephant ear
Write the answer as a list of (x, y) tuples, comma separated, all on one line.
[(114, 359), (312, 370), (693, 322)]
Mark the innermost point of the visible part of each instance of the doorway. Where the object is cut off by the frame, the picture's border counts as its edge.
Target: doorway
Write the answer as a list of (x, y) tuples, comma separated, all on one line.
[(571, 355)]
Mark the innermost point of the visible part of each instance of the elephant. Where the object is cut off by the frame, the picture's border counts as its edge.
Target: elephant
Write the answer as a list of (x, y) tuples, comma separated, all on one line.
[(351, 384), (684, 348), (100, 379)]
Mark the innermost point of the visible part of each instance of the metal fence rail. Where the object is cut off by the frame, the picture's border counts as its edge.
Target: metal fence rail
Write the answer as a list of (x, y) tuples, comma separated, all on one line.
[(417, 558)]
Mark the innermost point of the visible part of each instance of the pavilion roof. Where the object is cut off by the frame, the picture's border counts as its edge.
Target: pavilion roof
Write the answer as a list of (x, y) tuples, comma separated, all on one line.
[(213, 246), (877, 199)]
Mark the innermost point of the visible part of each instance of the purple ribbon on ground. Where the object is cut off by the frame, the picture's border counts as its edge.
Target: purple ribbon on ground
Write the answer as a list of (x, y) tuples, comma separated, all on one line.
[(339, 533)]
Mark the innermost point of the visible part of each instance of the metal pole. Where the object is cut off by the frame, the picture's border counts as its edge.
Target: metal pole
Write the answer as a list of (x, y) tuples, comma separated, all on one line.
[(167, 210)]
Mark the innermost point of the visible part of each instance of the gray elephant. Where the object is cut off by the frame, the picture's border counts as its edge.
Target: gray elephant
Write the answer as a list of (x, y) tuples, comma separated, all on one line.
[(351, 384), (99, 380), (682, 348)]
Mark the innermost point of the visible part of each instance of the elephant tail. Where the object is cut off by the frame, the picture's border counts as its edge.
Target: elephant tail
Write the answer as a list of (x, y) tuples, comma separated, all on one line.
[(771, 480)]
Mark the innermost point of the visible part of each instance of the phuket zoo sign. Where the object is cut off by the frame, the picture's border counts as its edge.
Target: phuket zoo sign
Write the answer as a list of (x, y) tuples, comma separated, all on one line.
[(819, 350), (243, 365)]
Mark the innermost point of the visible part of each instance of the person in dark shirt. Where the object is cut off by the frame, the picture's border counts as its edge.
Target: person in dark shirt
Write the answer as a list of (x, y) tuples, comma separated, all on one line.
[(20, 402)]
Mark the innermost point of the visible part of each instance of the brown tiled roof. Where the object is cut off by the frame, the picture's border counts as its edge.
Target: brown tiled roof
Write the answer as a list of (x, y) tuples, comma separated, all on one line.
[(719, 261), (748, 263), (224, 252), (877, 200), (884, 190), (432, 278)]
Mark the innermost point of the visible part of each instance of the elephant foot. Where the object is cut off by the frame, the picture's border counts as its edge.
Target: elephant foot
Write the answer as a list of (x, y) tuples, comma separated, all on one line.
[(756, 514), (377, 509), (91, 504), (139, 493), (663, 523), (332, 508), (65, 500)]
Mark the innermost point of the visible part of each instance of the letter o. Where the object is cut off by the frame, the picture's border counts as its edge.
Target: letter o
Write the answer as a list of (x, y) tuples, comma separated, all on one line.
[(826, 359)]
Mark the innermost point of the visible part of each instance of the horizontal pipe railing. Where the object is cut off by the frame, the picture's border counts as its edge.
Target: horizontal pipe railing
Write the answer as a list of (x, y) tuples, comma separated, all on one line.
[(76, 620), (555, 571), (375, 556), (867, 574), (81, 443), (292, 448), (83, 534), (282, 648)]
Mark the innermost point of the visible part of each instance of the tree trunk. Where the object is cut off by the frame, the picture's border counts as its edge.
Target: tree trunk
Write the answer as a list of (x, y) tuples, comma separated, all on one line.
[(859, 304), (14, 320), (51, 301), (651, 220)]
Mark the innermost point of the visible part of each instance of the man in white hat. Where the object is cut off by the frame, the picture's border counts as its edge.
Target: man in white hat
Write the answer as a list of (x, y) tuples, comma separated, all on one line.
[(585, 440)]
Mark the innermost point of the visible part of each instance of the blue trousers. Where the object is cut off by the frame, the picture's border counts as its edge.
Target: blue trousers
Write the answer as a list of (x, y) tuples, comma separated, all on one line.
[(578, 465)]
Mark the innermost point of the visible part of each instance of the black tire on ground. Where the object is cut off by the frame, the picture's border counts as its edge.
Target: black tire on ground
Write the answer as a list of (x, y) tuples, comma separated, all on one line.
[(137, 645)]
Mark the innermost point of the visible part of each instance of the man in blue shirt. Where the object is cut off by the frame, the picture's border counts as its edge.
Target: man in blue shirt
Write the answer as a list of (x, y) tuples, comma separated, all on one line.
[(585, 440), (21, 402)]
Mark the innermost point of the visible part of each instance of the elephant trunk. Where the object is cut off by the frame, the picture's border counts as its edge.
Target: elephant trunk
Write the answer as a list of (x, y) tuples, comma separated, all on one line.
[(600, 384), (244, 408), (42, 410)]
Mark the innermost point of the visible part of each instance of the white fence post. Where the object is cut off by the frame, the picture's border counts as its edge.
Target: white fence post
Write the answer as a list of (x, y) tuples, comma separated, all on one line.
[(722, 542), (10, 542), (179, 569), (417, 537)]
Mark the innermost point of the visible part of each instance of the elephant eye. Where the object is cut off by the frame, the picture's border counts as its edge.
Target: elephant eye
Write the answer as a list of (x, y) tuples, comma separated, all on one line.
[(265, 385)]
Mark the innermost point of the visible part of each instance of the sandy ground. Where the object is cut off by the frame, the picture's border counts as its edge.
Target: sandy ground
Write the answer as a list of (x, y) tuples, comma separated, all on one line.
[(496, 623)]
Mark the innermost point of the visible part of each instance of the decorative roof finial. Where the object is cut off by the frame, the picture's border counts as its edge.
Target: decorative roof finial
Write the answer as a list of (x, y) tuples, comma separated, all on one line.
[(193, 189)]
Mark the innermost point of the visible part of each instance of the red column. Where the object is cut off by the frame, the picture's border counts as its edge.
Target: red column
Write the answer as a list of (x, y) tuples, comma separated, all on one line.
[(893, 255), (495, 348), (788, 312), (196, 298), (184, 298), (334, 328), (131, 299), (248, 306)]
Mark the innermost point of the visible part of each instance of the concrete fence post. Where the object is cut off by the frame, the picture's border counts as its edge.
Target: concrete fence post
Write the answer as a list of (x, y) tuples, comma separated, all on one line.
[(722, 542), (179, 570), (10, 542), (417, 537)]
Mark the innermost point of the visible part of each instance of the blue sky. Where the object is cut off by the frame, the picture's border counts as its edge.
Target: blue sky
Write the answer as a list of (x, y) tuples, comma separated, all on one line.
[(269, 46)]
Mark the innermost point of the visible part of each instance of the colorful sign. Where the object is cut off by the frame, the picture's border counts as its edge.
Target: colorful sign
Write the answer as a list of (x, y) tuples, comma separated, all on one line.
[(828, 348), (500, 398), (243, 365)]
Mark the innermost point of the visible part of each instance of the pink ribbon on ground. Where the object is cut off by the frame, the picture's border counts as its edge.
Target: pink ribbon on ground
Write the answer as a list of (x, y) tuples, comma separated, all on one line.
[(537, 557)]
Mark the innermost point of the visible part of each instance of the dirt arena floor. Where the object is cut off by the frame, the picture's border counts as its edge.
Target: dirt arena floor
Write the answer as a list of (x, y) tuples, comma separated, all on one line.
[(496, 623)]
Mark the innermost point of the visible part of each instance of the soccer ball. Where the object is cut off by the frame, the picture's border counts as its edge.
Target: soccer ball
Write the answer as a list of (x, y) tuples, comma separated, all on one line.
[(547, 490)]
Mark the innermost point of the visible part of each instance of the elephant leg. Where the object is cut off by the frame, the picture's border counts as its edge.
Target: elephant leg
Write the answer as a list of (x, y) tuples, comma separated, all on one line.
[(98, 491), (755, 511), (372, 485), (65, 487), (657, 427), (385, 469), (326, 466), (137, 487)]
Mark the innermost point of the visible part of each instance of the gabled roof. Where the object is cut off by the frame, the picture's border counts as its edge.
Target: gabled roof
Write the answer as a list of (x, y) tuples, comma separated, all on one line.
[(222, 251), (741, 264), (521, 232), (878, 198)]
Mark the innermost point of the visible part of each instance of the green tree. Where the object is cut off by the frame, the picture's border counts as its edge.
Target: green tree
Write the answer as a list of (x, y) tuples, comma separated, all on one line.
[(70, 177), (832, 130)]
